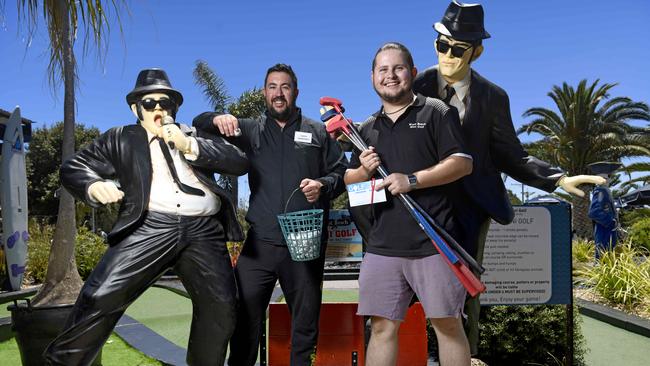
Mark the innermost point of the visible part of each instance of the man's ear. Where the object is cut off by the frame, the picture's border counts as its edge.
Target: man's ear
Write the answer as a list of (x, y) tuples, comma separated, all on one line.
[(134, 109), (478, 50), (414, 72)]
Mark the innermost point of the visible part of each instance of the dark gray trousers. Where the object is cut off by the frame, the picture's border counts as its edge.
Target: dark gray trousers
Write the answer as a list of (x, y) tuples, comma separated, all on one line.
[(194, 247), (258, 268)]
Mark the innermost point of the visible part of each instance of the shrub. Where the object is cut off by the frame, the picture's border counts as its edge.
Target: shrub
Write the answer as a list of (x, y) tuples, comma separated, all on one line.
[(627, 218), (528, 334), (88, 249), (525, 335), (38, 250), (622, 276), (640, 233), (583, 251), (583, 256)]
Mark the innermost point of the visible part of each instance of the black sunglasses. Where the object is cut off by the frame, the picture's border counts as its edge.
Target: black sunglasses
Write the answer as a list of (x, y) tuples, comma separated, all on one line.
[(456, 50), (150, 104)]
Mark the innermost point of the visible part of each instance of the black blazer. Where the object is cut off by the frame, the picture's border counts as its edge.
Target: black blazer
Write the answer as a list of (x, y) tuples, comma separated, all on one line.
[(491, 139), (122, 154)]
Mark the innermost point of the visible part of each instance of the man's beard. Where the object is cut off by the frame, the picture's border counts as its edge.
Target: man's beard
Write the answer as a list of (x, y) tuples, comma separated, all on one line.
[(400, 96), (281, 115)]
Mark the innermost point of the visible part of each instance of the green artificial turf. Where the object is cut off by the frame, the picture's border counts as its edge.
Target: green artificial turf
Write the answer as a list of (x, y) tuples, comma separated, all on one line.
[(9, 352), (115, 353), (341, 295), (4, 313), (608, 345), (334, 296), (165, 312)]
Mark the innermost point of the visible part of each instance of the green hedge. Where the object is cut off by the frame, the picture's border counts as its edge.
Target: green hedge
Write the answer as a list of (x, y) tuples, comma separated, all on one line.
[(640, 233), (525, 335), (89, 249)]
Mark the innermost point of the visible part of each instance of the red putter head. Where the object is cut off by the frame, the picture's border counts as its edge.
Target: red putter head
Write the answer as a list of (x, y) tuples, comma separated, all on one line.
[(338, 124), (332, 102)]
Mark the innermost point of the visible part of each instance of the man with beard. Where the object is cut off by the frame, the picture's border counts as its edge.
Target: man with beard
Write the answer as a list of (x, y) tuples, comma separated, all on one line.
[(484, 110), (418, 139), (287, 152)]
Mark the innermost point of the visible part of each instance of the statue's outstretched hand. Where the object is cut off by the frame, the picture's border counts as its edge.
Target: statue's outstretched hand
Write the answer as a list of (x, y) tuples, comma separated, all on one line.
[(105, 192), (570, 184)]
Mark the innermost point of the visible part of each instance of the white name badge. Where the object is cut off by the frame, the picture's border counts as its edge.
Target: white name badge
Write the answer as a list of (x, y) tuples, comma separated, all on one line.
[(302, 137), (363, 193)]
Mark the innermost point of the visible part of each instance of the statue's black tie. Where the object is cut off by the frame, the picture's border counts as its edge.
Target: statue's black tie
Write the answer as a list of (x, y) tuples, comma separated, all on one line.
[(450, 93), (172, 169)]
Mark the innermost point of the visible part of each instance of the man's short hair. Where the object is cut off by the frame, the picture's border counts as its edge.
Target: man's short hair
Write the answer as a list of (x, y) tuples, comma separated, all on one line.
[(282, 68), (394, 46)]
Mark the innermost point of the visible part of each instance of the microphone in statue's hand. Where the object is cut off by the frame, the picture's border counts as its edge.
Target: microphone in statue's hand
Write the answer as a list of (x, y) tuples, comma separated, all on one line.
[(169, 120)]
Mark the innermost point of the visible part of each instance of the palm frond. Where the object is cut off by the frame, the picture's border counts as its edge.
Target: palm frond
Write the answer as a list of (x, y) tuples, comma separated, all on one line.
[(89, 15), (213, 87)]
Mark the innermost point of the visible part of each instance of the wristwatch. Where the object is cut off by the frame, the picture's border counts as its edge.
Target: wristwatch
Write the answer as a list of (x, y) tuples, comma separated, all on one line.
[(413, 181)]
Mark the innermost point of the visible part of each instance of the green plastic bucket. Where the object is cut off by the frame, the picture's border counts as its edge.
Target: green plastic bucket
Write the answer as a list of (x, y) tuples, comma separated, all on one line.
[(302, 232)]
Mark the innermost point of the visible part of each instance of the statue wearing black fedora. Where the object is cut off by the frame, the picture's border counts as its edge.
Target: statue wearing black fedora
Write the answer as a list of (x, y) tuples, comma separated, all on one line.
[(489, 135), (172, 215)]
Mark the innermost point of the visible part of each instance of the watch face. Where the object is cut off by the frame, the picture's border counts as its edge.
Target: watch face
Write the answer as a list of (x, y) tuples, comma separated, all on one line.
[(413, 181)]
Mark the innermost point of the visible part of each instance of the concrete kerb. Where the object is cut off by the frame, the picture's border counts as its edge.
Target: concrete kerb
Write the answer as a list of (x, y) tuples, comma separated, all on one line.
[(614, 317)]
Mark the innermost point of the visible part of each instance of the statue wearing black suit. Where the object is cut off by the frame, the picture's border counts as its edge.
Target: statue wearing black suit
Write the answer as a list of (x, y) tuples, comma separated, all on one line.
[(489, 136), (172, 215)]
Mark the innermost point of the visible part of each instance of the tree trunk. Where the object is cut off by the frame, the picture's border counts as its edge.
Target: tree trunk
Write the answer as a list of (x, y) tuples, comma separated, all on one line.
[(62, 281), (581, 222)]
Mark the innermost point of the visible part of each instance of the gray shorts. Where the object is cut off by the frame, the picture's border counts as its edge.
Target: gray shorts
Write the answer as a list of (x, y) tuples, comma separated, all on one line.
[(387, 284)]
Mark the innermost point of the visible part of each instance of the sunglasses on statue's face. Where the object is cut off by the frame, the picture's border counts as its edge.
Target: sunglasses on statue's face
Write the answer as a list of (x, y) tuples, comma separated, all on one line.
[(456, 50), (150, 104)]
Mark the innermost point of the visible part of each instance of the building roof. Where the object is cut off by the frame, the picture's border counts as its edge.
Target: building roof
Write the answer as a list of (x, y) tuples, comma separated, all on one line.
[(6, 114)]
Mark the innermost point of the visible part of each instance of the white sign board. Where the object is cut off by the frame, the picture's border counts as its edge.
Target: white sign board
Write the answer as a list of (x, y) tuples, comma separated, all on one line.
[(517, 259)]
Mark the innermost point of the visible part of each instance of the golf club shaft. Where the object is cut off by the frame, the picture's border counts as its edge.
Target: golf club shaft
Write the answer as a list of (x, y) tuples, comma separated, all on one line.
[(469, 280), (411, 204)]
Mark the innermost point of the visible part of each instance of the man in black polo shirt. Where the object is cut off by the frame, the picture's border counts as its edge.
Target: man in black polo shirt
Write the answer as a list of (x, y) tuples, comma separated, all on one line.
[(418, 139), (287, 151)]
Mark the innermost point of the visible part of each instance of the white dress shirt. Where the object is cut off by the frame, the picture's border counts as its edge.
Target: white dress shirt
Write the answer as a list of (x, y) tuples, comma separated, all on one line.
[(460, 100), (165, 195)]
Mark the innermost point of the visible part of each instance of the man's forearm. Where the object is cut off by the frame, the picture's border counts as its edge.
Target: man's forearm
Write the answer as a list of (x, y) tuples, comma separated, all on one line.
[(447, 171), (203, 122), (356, 175)]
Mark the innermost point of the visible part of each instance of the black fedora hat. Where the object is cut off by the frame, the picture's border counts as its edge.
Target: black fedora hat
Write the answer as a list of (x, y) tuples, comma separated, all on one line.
[(153, 81), (463, 22)]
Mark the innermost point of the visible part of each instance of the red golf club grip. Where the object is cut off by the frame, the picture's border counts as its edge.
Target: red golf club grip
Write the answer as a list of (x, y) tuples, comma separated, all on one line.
[(467, 278)]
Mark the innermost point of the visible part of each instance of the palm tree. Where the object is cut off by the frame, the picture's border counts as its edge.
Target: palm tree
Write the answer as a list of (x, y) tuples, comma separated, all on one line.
[(639, 181), (215, 91), (590, 127), (250, 104), (63, 18)]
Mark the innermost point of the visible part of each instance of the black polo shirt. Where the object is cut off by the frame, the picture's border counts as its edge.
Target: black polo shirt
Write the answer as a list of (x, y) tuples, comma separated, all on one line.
[(425, 134)]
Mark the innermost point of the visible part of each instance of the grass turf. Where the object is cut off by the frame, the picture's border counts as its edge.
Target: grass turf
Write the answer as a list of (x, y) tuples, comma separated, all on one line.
[(165, 312), (609, 345), (334, 296), (115, 353)]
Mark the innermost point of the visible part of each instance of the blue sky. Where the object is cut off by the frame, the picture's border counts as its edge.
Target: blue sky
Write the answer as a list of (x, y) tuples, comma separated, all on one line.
[(534, 45)]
